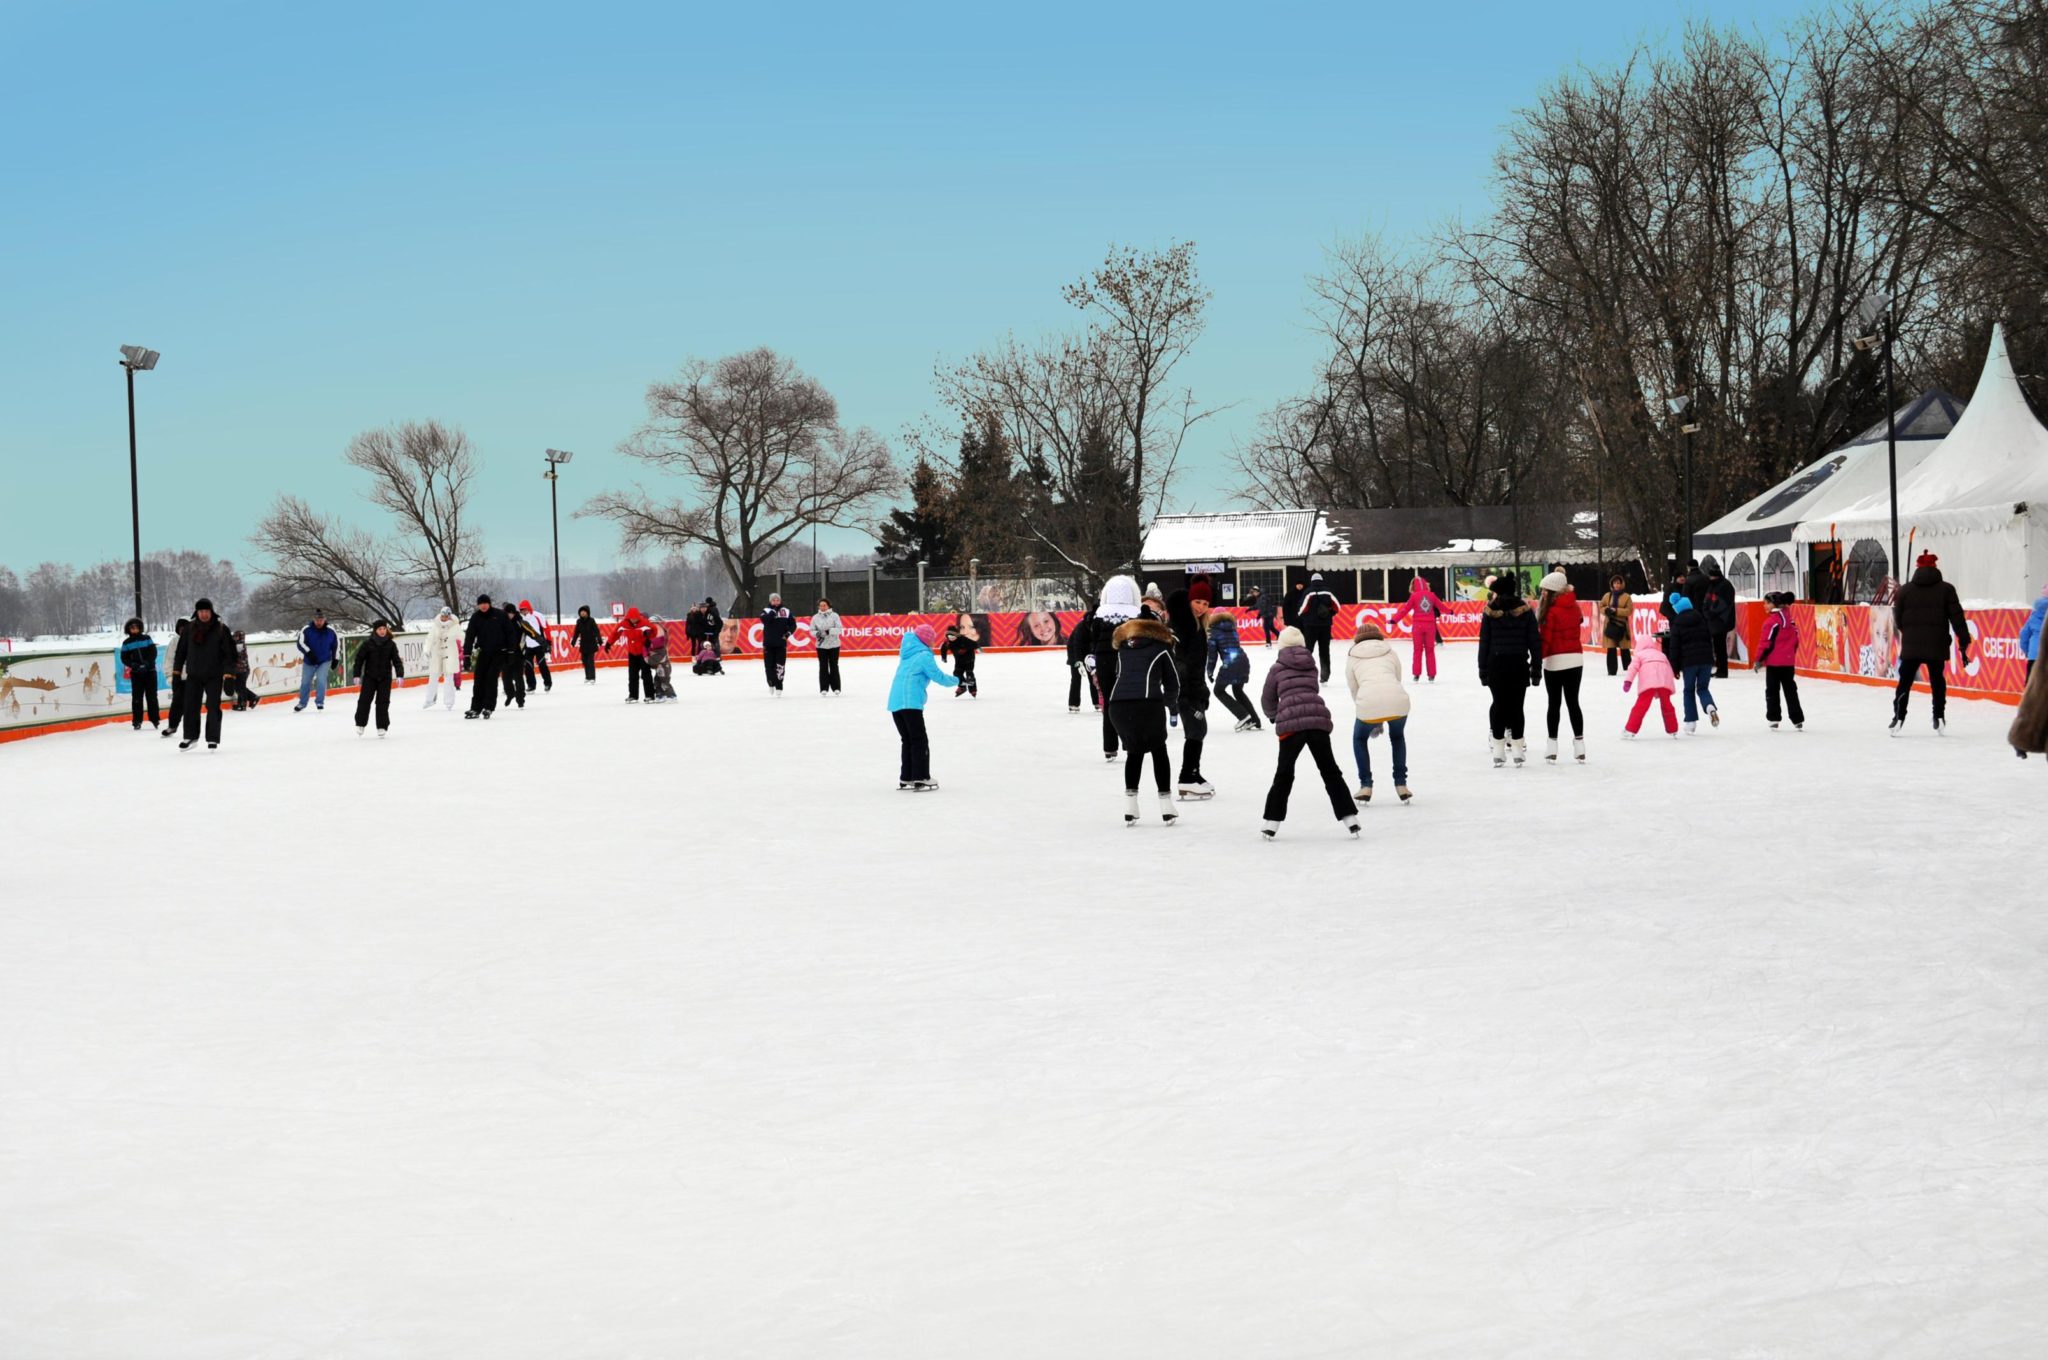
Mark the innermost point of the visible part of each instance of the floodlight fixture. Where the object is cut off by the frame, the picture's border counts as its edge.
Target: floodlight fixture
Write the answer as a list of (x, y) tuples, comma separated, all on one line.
[(136, 359)]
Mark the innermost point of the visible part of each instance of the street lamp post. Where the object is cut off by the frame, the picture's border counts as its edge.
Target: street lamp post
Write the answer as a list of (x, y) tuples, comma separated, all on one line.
[(135, 359), (1678, 407), (556, 457), (1874, 308)]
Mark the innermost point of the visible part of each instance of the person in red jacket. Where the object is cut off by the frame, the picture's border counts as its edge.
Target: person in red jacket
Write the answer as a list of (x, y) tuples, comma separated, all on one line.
[(1558, 620), (634, 631), (1777, 657), (1423, 609)]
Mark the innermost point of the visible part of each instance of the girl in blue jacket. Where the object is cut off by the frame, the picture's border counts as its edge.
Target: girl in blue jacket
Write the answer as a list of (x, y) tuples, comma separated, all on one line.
[(916, 668), (2030, 632)]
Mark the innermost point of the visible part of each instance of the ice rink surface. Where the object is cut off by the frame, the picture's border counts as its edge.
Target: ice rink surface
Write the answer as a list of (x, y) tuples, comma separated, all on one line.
[(618, 1031)]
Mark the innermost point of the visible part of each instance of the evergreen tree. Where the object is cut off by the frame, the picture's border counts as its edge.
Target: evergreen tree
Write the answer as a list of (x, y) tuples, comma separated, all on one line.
[(924, 532), (987, 508)]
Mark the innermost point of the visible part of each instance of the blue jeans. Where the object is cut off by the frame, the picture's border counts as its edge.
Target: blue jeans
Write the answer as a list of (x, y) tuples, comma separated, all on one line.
[(312, 678), (1696, 678), (1397, 735)]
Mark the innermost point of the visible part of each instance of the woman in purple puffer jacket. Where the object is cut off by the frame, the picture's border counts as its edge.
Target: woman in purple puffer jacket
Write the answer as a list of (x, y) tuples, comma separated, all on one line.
[(1293, 702)]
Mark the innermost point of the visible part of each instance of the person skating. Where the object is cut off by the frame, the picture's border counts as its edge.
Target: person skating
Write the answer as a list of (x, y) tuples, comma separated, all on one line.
[(535, 655), (174, 719), (1424, 610), (1617, 615), (205, 658), (491, 644), (707, 662), (1650, 676), (1293, 703), (441, 659), (1229, 669), (1510, 664), (2029, 731), (376, 667), (632, 630), (1691, 650), (1318, 615), (1077, 669), (714, 626), (1153, 606), (2030, 632), (1290, 606), (137, 656), (509, 673), (1379, 702), (825, 629), (916, 668), (245, 698), (1558, 621), (1267, 610), (1777, 656), (660, 687), (1926, 613), (1116, 605), (1717, 602), (1187, 612), (777, 625), (962, 644), (318, 647), (588, 642), (1140, 705)]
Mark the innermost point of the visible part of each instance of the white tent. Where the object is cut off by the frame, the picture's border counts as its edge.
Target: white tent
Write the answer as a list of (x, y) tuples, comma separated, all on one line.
[(1979, 501), (1754, 540)]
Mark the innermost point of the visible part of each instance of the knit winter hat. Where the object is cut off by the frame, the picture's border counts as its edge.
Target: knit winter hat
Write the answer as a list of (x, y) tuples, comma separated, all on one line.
[(1680, 605), (483, 599), (1554, 581), (526, 604), (1199, 591), (1290, 636), (1315, 578), (1152, 591), (923, 633), (1927, 559), (205, 604), (1119, 599)]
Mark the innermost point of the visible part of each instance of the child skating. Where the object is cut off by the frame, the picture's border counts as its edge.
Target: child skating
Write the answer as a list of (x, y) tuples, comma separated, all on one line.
[(138, 659), (916, 668), (377, 666), (962, 643), (1293, 703), (1778, 658), (1650, 676)]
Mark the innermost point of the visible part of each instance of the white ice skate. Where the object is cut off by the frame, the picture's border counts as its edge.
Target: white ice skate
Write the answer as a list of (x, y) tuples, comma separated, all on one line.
[(1500, 753), (1352, 827), (1270, 830), (1168, 813), (1402, 792), (1941, 727), (1521, 749), (383, 733), (1130, 807), (1692, 729), (1579, 749), (362, 731), (1196, 791), (1550, 751)]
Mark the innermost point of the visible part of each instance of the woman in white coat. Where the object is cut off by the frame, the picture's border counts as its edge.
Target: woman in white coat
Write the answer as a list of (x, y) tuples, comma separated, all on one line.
[(441, 661), (1373, 673)]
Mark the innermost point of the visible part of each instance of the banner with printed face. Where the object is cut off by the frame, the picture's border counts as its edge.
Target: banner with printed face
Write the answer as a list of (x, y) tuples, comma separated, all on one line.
[(1859, 640)]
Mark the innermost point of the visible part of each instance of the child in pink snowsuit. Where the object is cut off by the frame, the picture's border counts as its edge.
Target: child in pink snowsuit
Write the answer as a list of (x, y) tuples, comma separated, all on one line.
[(1425, 608), (1652, 669)]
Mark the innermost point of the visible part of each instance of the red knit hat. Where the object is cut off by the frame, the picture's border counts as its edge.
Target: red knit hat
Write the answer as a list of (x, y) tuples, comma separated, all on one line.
[(526, 604), (1198, 591), (1927, 559)]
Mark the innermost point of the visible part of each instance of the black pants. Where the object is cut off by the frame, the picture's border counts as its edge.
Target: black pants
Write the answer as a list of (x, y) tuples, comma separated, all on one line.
[(590, 663), (1232, 696), (638, 674), (141, 695), (483, 684), (1627, 659), (963, 671), (176, 716), (537, 659), (1937, 681), (917, 747), (379, 693), (1720, 654), (244, 696), (1318, 640), (1141, 723), (828, 670), (774, 661), (515, 683), (1077, 676), (1782, 680), (204, 693), (1317, 744), (1504, 715), (1194, 730), (1562, 687)]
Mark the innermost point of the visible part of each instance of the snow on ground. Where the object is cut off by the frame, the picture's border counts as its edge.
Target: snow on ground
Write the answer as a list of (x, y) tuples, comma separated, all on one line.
[(621, 1031)]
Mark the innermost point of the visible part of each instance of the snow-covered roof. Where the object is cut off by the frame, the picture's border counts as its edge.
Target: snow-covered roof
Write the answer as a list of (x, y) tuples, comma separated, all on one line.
[(1245, 536), (1415, 535)]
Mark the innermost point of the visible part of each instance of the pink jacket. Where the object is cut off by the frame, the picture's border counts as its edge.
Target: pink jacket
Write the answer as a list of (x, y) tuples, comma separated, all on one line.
[(1652, 669), (1424, 604), (1780, 646)]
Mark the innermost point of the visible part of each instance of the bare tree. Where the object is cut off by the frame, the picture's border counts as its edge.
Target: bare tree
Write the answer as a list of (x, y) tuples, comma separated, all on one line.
[(421, 473), (316, 562), (760, 445)]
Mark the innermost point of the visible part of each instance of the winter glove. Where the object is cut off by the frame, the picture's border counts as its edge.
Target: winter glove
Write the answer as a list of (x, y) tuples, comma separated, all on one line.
[(1627, 685), (1089, 662)]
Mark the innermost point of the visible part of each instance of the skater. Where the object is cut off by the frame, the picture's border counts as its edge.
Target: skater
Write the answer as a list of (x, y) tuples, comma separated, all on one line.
[(492, 644), (714, 626), (441, 659), (1294, 705), (1718, 604), (377, 665), (1691, 650), (1117, 605), (1650, 675), (777, 624), (175, 718), (245, 698), (1510, 664), (1558, 620), (205, 658), (1077, 669), (138, 663), (509, 673), (825, 626), (660, 690), (1290, 604), (318, 647), (2029, 730), (535, 656), (1926, 612), (1778, 658), (1423, 609), (2030, 632), (961, 644), (916, 668), (588, 642), (1142, 702), (1186, 614), (1373, 674), (1318, 619), (707, 662), (1229, 669), (1154, 604), (634, 632), (1267, 610), (1617, 614)]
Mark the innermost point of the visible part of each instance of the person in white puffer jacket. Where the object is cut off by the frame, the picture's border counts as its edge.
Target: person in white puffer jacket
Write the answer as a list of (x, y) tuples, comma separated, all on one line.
[(441, 658), (1379, 700)]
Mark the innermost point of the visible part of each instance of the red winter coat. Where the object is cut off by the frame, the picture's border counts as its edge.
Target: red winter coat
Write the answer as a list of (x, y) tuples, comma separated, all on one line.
[(1780, 646), (634, 630), (1560, 629)]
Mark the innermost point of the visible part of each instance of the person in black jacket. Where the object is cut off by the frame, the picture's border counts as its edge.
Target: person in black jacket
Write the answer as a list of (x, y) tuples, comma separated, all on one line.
[(174, 717), (1268, 611), (1077, 668), (963, 642), (588, 641), (1717, 602), (1318, 616), (492, 645), (1510, 663), (1187, 614), (1926, 613), (138, 660), (1691, 649), (1117, 605), (205, 658), (714, 626), (777, 625), (1140, 703), (377, 663)]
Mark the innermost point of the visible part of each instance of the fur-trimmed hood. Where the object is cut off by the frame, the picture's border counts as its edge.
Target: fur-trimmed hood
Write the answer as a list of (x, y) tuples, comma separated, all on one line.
[(1127, 633)]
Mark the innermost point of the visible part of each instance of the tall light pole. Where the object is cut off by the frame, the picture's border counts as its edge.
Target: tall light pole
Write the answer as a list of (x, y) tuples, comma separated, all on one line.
[(1678, 407), (556, 457), (135, 359), (1873, 308)]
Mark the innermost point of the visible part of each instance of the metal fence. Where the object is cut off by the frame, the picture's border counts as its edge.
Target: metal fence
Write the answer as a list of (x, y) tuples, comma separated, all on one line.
[(995, 588)]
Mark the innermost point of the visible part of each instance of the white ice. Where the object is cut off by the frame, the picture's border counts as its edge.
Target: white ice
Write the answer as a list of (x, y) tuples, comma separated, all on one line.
[(602, 1030)]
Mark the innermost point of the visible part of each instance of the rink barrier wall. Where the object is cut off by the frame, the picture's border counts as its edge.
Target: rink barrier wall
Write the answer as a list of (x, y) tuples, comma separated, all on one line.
[(45, 692)]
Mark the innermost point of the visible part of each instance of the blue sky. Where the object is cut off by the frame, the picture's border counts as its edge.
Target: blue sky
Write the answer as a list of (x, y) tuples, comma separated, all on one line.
[(514, 217)]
